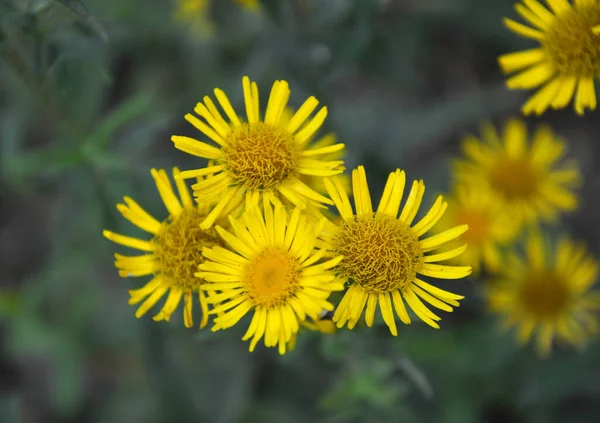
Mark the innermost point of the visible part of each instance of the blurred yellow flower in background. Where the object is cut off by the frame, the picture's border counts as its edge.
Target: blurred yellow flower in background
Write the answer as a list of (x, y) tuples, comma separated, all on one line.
[(491, 226), (548, 292), (273, 269), (259, 157), (528, 179), (196, 14), (172, 255), (382, 253), (566, 63)]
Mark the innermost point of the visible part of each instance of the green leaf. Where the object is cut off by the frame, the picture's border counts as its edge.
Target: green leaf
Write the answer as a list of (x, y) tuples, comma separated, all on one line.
[(124, 113), (44, 160), (82, 11)]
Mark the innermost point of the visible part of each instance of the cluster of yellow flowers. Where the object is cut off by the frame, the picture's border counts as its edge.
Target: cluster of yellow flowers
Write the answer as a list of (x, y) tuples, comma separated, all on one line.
[(259, 236), (270, 229), (507, 185)]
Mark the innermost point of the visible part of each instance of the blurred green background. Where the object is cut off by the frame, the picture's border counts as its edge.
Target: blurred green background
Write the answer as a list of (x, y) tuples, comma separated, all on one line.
[(83, 120)]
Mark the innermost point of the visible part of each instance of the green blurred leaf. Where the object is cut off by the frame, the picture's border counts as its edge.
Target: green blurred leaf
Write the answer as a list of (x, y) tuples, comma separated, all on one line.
[(44, 160), (84, 13), (124, 113)]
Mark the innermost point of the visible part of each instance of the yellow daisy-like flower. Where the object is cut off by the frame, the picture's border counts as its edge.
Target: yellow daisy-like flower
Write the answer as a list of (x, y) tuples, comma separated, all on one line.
[(528, 179), (382, 253), (566, 63), (549, 293), (273, 269), (490, 226), (260, 157), (172, 255)]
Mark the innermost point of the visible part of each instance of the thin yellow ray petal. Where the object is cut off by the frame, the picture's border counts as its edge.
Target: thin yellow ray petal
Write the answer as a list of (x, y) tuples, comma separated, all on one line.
[(188, 316), (445, 272), (184, 193), (431, 299), (559, 6), (385, 305), (139, 294), (195, 173), (362, 197), (151, 300), (195, 147), (170, 305), (213, 117), (540, 10), (304, 135), (437, 240), (455, 252), (520, 60), (540, 102), (323, 150), (420, 309), (128, 241), (252, 117), (413, 202), (371, 307), (565, 92), (302, 114), (226, 105), (531, 17), (400, 308), (339, 198), (205, 129), (165, 190), (203, 308), (434, 214), (523, 30), (216, 211), (515, 137), (532, 77)]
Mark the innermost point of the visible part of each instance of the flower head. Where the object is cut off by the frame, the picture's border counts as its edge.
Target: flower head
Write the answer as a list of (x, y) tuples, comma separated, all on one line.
[(172, 255), (548, 292), (273, 269), (259, 157), (568, 59), (527, 179), (383, 253), (491, 225)]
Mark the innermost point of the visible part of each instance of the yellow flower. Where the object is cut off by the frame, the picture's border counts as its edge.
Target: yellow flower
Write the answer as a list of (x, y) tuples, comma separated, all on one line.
[(568, 59), (172, 255), (273, 269), (490, 226), (548, 292), (527, 179), (260, 157), (382, 253)]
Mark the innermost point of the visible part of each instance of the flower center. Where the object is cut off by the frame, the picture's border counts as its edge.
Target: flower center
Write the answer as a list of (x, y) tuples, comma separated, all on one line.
[(514, 179), (260, 155), (570, 43), (544, 295), (478, 223), (179, 248), (271, 277), (381, 253)]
